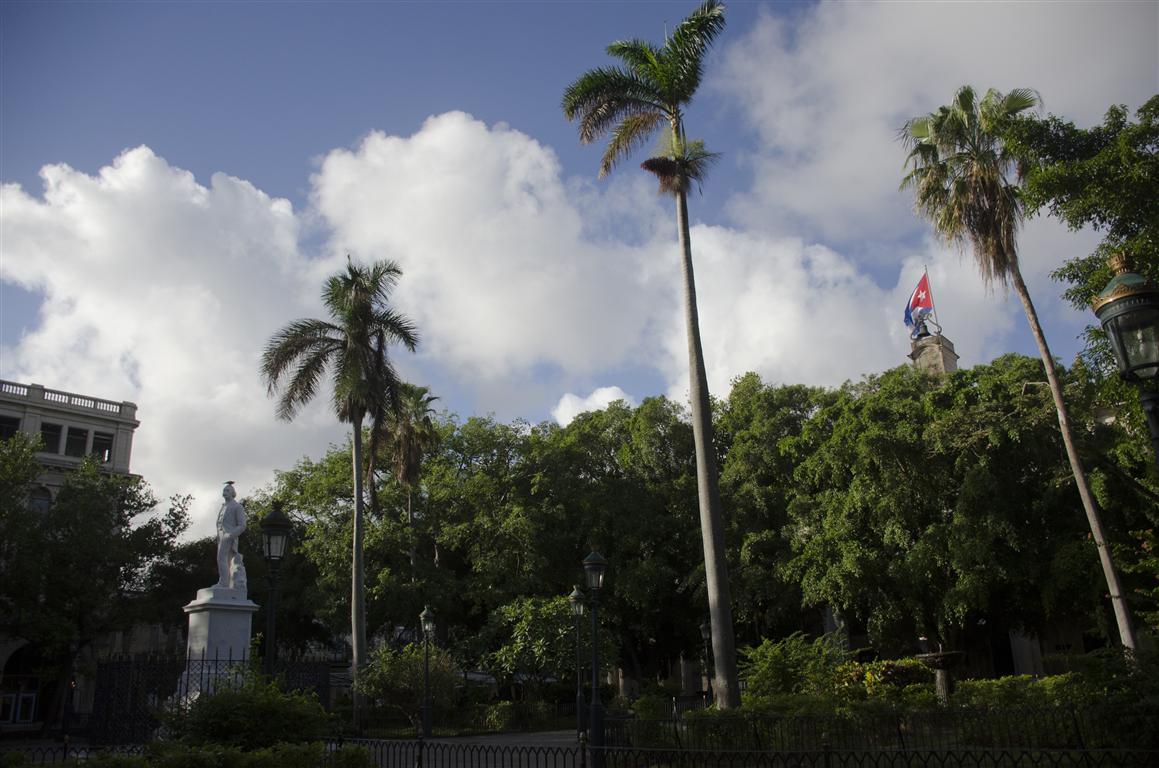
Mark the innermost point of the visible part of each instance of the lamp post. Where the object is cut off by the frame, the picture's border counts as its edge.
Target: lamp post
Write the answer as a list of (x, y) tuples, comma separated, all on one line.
[(594, 568), (427, 618), (1128, 309), (576, 598), (276, 529), (706, 637)]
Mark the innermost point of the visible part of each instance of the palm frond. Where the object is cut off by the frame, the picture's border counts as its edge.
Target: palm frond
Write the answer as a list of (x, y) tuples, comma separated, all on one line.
[(632, 131), (680, 164), (603, 97), (685, 50), (303, 383), (641, 57)]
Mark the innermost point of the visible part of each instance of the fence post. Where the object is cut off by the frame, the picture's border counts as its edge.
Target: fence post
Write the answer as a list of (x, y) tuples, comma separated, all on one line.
[(419, 753), (583, 749), (825, 748), (1078, 729)]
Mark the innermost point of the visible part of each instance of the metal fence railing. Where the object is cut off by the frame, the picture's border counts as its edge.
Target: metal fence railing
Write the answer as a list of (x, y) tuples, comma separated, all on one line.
[(446, 754), (1052, 728)]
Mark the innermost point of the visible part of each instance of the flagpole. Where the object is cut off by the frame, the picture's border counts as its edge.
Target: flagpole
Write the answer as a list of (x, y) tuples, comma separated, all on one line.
[(933, 303)]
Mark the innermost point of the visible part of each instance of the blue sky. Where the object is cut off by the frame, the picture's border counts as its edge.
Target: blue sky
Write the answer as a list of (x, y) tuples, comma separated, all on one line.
[(180, 177)]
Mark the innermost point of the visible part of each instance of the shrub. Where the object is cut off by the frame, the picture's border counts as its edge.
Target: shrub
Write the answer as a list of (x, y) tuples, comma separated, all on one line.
[(879, 679), (653, 706), (792, 665), (396, 679), (254, 716), (181, 755), (350, 756), (501, 716)]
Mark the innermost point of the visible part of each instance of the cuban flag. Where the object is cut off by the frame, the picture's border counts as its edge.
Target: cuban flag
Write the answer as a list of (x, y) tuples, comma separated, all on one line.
[(920, 303)]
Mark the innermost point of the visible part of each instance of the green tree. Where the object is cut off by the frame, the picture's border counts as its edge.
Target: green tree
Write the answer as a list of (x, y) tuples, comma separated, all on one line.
[(755, 430), (410, 433), (650, 92), (395, 678), (1104, 177), (961, 169), (77, 570), (926, 504), (353, 345)]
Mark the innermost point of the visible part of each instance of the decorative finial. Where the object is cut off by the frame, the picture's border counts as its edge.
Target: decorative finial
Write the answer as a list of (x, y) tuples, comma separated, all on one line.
[(1120, 263)]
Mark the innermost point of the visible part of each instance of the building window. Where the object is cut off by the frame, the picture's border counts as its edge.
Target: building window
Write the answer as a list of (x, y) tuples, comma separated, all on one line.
[(50, 435), (103, 447), (39, 500), (75, 442), (9, 426)]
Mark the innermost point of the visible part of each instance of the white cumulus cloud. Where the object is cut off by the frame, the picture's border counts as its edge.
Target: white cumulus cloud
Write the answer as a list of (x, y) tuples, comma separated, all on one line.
[(162, 291), (570, 405)]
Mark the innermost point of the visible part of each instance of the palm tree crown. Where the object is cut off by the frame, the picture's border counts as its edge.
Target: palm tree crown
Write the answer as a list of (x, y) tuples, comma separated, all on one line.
[(652, 87), (353, 344), (961, 175), (412, 432)]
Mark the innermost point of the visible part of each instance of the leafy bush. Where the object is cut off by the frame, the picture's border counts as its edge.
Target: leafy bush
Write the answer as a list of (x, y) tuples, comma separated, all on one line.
[(181, 755), (501, 716), (253, 716), (652, 706), (792, 665), (879, 679), (350, 756), (395, 679)]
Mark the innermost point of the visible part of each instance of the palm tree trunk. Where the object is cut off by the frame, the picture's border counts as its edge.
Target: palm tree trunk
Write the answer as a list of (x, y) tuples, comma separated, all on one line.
[(357, 592), (410, 518), (1122, 614), (726, 687)]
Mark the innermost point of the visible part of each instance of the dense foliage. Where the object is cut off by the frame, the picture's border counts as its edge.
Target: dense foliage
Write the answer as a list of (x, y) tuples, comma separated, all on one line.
[(81, 566), (904, 505)]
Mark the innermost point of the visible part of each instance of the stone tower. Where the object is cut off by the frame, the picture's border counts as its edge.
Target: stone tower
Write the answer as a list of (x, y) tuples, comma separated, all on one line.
[(933, 353)]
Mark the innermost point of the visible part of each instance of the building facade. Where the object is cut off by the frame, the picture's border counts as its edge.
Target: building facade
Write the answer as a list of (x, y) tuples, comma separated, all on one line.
[(70, 427)]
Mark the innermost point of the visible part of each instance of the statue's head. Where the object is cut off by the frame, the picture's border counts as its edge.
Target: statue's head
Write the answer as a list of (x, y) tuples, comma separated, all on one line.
[(228, 492)]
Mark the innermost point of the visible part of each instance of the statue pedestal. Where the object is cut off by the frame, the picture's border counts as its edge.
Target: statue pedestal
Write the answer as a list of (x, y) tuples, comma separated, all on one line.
[(218, 644), (219, 625)]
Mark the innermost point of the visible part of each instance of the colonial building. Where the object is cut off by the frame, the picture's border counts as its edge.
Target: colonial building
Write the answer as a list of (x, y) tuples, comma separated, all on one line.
[(70, 427)]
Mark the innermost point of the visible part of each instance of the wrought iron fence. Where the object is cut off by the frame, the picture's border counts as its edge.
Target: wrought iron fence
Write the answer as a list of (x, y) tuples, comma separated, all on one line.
[(59, 754), (508, 717), (841, 758), (1054, 728), (131, 692), (443, 754)]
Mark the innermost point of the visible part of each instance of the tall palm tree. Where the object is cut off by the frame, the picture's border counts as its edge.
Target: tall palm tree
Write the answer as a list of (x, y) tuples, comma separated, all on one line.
[(353, 347), (647, 94), (961, 176), (411, 433)]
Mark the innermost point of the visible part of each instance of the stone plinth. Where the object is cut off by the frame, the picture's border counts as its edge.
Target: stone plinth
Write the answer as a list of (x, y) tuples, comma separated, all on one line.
[(934, 354), (219, 624)]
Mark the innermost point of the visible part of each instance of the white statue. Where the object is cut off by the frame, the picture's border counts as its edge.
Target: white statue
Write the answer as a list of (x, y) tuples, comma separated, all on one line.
[(230, 524), (237, 573)]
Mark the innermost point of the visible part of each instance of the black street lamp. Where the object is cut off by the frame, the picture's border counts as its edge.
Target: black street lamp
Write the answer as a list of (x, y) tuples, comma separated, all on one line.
[(576, 598), (706, 637), (427, 617), (276, 530), (594, 568), (1128, 309)]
